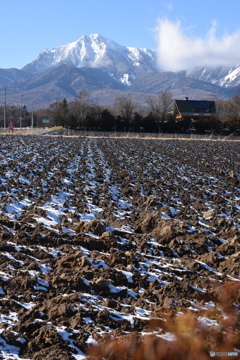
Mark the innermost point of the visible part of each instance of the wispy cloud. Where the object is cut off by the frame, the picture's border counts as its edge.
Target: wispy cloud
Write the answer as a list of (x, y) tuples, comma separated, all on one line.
[(169, 6), (179, 51)]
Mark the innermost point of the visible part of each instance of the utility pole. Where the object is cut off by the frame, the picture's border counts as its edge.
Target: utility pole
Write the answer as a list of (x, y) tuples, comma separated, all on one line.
[(21, 112), (5, 104), (32, 112)]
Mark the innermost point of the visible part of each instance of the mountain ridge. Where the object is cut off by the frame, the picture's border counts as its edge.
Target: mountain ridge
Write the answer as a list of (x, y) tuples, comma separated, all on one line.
[(95, 51), (103, 68)]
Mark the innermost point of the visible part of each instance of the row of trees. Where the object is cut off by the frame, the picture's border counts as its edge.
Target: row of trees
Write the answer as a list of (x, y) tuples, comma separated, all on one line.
[(125, 116), (79, 114)]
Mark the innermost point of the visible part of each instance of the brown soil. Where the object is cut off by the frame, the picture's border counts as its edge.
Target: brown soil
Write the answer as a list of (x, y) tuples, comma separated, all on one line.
[(99, 235)]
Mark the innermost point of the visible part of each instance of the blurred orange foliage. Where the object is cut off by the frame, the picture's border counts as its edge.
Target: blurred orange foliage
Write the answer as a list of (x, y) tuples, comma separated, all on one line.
[(194, 333)]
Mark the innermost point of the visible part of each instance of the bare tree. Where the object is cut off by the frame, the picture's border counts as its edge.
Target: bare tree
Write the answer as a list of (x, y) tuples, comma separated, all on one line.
[(236, 105), (160, 106), (224, 109), (126, 107), (79, 107)]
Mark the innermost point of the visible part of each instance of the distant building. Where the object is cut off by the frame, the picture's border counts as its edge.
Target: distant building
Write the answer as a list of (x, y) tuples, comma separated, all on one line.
[(193, 110)]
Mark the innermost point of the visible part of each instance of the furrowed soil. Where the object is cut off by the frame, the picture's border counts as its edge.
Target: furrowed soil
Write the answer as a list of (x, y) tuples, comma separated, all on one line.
[(100, 235)]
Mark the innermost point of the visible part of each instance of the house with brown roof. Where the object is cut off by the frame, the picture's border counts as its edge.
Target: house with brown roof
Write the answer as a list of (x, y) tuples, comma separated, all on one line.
[(193, 109), (199, 116)]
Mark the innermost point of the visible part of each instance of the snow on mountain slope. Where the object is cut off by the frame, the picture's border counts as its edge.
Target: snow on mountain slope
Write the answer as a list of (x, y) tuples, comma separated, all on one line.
[(122, 63), (232, 78), (222, 76), (95, 51), (12, 76)]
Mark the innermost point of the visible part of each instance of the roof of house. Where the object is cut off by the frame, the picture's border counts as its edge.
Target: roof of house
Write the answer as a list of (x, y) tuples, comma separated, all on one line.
[(201, 107)]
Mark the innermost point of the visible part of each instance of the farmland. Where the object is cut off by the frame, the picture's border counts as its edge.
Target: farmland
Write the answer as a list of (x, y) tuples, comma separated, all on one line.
[(99, 235)]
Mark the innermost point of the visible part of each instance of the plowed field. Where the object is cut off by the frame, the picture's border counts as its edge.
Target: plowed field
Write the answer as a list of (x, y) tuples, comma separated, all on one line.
[(98, 235)]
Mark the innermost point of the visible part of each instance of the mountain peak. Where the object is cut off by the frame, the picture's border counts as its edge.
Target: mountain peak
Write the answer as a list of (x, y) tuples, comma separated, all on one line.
[(97, 38), (96, 51), (125, 65)]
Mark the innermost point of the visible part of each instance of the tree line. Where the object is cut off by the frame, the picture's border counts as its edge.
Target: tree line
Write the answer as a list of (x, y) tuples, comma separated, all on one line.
[(125, 116)]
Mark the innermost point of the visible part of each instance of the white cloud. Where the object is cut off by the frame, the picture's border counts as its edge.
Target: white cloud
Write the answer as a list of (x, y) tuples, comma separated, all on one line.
[(178, 51)]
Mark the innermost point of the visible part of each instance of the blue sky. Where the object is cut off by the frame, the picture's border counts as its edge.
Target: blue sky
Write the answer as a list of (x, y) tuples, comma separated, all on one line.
[(29, 27)]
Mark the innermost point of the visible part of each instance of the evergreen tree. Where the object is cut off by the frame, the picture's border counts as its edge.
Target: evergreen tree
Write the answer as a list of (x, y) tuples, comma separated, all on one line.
[(149, 124), (60, 113), (106, 121)]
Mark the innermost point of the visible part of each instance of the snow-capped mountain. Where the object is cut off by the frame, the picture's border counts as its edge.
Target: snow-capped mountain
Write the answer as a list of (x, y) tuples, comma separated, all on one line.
[(107, 70), (222, 75), (122, 63), (95, 51)]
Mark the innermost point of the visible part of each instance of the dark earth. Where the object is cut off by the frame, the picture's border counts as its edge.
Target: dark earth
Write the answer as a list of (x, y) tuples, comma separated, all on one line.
[(100, 235)]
